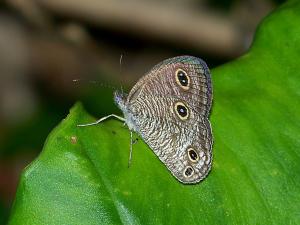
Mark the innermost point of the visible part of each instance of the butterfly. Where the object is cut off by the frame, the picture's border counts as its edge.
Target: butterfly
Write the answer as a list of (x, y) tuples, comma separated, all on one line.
[(169, 108)]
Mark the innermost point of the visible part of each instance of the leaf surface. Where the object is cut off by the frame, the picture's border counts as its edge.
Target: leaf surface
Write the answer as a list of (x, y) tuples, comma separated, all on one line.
[(81, 176)]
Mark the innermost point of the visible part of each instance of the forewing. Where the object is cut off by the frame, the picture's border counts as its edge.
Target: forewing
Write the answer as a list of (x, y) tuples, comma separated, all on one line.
[(161, 82)]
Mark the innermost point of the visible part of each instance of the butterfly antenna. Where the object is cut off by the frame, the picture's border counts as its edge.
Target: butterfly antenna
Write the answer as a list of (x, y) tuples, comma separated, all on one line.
[(120, 61), (94, 82), (120, 70)]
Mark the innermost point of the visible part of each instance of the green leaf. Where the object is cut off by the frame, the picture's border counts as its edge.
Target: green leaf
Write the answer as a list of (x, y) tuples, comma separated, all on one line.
[(81, 176)]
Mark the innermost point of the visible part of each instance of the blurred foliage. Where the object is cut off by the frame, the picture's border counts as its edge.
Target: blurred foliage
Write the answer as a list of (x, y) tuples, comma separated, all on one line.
[(3, 214), (81, 176), (227, 4), (30, 135), (224, 5)]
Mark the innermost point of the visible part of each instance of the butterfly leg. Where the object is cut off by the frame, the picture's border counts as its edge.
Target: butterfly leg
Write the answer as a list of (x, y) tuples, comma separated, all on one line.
[(101, 119), (132, 142), (135, 141), (130, 153)]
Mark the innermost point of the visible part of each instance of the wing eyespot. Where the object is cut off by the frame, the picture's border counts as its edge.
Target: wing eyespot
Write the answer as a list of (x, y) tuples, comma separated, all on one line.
[(182, 79), (188, 172), (181, 110), (193, 155)]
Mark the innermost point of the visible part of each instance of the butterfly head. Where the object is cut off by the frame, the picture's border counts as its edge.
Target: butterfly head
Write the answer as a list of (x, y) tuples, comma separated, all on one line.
[(120, 99)]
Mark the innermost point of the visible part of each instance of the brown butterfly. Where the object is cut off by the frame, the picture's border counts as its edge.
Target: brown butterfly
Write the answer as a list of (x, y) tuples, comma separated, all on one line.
[(169, 109)]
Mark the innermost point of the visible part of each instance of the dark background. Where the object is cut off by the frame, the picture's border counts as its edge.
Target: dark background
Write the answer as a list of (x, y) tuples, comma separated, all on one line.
[(47, 44)]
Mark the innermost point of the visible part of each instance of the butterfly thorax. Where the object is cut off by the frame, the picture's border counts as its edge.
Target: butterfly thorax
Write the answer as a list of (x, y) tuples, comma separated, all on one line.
[(121, 99)]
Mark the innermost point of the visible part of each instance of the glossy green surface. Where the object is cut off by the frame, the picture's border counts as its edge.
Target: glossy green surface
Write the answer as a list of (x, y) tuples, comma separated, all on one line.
[(81, 176)]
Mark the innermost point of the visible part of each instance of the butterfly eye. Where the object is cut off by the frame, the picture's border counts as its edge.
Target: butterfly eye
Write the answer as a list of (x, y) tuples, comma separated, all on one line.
[(181, 110), (193, 155), (182, 79), (188, 172)]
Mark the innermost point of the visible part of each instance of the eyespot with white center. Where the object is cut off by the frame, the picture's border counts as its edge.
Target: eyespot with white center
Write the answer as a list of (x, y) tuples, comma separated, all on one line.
[(193, 155), (181, 110), (188, 172), (182, 79)]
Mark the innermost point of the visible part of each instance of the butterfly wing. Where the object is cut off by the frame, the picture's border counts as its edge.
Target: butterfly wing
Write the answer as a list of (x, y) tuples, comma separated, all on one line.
[(169, 107), (162, 81)]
